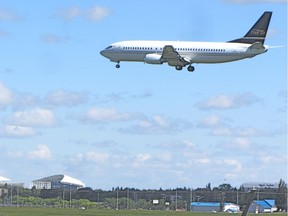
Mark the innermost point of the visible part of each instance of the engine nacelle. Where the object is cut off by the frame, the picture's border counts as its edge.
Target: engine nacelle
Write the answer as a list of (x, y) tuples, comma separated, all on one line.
[(153, 59)]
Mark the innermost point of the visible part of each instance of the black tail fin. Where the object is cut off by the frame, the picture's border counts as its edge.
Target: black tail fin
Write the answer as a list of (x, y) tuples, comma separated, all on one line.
[(258, 32)]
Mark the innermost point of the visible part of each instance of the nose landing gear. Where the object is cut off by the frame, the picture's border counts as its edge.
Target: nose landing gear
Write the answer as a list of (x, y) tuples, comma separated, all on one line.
[(118, 65)]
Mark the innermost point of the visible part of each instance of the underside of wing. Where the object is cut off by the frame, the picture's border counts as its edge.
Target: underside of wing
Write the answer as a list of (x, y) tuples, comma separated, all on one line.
[(172, 57)]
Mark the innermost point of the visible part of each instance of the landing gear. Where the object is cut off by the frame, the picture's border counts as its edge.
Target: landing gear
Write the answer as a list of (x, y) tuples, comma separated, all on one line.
[(118, 65), (190, 68)]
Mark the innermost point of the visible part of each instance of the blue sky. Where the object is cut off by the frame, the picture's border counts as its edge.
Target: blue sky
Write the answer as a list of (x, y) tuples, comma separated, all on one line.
[(66, 109)]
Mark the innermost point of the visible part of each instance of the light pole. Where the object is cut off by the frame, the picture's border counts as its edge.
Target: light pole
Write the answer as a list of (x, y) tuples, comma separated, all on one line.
[(176, 201), (70, 195), (63, 196), (127, 198), (117, 198), (191, 197)]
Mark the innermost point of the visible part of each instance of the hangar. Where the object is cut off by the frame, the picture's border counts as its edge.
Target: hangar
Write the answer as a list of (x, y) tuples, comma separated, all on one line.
[(213, 207), (262, 206), (57, 182)]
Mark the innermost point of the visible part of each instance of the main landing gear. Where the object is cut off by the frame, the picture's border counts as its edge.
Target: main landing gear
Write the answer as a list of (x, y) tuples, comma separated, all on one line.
[(118, 65), (190, 68)]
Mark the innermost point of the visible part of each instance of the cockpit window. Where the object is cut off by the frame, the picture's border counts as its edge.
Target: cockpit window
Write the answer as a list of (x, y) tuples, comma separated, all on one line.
[(109, 47)]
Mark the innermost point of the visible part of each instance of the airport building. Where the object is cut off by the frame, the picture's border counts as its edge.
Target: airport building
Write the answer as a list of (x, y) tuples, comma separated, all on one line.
[(262, 206), (6, 185), (214, 207), (57, 182), (4, 180), (259, 185), (3, 186)]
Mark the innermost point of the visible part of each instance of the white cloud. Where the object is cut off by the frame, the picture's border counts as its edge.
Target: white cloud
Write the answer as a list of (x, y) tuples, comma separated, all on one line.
[(241, 142), (4, 34), (145, 94), (165, 156), (124, 97), (8, 15), (41, 153), (6, 96), (105, 144), (223, 102), (239, 132), (38, 117), (188, 144), (267, 159), (97, 157), (115, 97), (233, 163), (158, 125), (66, 98), (97, 13), (161, 121), (13, 131), (23, 100), (52, 38), (141, 159), (70, 13), (105, 115), (16, 154), (210, 121), (202, 161)]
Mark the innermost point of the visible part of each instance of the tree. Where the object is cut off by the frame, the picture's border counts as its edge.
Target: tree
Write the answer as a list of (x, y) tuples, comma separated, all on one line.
[(281, 200), (225, 186), (208, 186)]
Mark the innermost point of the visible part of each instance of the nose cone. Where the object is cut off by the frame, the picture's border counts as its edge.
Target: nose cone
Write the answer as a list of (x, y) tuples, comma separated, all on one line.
[(105, 53), (102, 52)]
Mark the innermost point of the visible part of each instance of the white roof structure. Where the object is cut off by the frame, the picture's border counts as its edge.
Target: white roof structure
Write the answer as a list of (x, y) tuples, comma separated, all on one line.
[(49, 181), (3, 179), (69, 180)]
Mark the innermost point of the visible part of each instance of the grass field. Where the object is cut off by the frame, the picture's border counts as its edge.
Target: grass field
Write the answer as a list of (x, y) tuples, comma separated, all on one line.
[(14, 211)]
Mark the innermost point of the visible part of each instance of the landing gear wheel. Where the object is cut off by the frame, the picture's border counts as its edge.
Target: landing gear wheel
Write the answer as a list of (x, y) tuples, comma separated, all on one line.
[(190, 68), (117, 65), (178, 67)]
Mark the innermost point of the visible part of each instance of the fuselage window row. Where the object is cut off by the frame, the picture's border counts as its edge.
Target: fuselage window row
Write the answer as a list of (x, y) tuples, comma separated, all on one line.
[(178, 49)]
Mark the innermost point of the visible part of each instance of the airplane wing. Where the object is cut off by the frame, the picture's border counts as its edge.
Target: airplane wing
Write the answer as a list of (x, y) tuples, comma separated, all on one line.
[(173, 58)]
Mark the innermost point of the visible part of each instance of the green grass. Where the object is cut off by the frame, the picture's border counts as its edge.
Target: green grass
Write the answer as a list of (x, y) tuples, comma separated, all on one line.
[(25, 211)]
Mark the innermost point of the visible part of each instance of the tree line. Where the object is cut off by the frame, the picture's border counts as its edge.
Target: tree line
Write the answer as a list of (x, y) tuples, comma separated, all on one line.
[(133, 198)]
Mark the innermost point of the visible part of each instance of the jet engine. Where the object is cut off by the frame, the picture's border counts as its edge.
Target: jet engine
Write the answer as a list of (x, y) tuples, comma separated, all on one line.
[(153, 59)]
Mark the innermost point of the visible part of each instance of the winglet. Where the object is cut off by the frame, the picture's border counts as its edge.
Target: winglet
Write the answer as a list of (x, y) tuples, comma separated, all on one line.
[(258, 32)]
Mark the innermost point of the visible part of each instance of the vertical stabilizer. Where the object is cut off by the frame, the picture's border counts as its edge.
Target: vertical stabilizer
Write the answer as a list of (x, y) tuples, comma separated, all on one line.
[(258, 32)]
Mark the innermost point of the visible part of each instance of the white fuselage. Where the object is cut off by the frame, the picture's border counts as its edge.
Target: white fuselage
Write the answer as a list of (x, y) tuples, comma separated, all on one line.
[(195, 52)]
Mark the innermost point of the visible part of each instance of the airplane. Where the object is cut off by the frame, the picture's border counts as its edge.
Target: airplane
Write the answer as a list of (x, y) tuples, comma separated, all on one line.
[(182, 53)]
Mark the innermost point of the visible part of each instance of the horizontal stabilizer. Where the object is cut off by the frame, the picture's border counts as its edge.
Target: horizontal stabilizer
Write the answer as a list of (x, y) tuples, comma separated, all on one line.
[(257, 45)]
